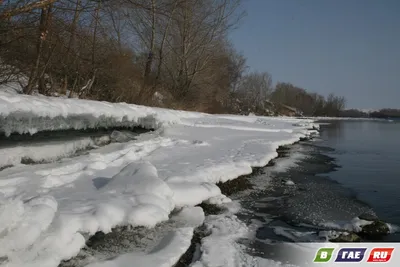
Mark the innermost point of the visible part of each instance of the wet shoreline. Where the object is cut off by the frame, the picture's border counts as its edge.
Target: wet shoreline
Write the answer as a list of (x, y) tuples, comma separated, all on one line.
[(229, 188), (275, 226)]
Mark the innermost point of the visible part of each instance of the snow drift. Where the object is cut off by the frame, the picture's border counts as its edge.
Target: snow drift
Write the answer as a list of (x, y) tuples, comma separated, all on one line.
[(48, 210)]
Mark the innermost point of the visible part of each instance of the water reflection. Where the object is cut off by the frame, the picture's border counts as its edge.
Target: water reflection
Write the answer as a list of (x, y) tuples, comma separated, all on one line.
[(332, 130)]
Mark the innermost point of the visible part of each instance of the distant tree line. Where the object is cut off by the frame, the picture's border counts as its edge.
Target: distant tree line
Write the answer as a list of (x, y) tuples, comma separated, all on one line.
[(386, 113), (170, 53), (382, 113), (310, 104), (256, 93)]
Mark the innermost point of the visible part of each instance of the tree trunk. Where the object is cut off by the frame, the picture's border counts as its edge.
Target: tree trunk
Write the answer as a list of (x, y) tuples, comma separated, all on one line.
[(74, 23), (142, 94), (43, 26), (96, 21), (68, 63), (152, 90), (149, 62)]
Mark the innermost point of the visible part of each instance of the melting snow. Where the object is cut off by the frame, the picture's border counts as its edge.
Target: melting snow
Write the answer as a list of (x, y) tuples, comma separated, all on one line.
[(221, 249), (47, 210)]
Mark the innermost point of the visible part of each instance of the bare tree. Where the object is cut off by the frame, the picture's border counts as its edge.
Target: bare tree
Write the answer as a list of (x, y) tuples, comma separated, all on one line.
[(255, 89), (161, 26), (199, 28), (126, 50)]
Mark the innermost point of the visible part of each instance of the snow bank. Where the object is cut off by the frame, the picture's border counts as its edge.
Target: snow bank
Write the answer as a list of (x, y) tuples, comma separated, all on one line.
[(138, 182), (28, 114)]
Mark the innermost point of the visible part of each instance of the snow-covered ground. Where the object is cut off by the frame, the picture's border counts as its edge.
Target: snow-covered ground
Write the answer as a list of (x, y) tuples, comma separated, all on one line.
[(47, 211)]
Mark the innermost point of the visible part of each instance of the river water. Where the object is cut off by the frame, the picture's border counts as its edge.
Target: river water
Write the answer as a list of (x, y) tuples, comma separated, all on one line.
[(369, 153), (351, 168)]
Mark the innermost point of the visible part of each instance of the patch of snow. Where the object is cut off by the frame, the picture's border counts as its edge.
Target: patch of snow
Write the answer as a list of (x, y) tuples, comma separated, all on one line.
[(295, 236), (218, 200), (168, 250), (289, 182), (190, 217), (139, 182), (221, 248), (284, 164), (355, 225), (11, 88), (393, 228)]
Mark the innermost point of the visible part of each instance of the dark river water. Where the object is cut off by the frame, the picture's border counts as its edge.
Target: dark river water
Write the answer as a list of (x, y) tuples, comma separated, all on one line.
[(369, 153), (351, 168)]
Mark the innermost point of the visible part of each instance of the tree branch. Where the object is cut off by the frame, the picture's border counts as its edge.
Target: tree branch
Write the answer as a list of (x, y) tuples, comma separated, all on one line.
[(25, 8)]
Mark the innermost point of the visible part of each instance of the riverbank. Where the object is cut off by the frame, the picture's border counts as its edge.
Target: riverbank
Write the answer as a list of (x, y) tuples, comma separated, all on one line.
[(294, 200), (228, 188), (314, 207), (143, 182), (138, 237), (175, 186)]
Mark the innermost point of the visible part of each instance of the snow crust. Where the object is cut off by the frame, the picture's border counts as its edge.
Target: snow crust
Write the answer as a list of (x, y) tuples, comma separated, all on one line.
[(47, 211), (28, 114), (43, 151)]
